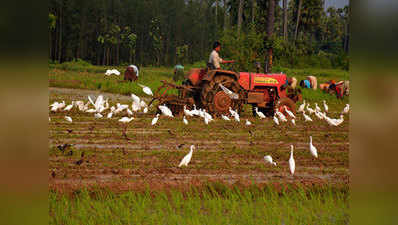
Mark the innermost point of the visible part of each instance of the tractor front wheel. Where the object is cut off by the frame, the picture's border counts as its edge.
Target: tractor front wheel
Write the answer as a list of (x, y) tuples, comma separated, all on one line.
[(215, 100)]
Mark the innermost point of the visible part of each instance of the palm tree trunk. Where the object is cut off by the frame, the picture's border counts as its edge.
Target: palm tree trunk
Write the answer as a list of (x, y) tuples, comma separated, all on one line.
[(285, 21), (270, 32), (240, 15), (225, 14), (216, 14), (298, 19), (254, 6)]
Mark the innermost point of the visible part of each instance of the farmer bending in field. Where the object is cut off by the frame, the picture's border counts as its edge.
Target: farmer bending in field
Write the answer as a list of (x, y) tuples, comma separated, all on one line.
[(309, 82), (214, 59), (131, 73)]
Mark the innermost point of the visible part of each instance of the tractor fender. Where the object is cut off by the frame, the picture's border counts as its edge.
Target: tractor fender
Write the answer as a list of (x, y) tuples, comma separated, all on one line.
[(213, 73)]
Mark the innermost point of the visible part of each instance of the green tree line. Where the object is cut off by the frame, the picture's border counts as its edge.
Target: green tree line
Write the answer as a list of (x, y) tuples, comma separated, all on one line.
[(166, 32)]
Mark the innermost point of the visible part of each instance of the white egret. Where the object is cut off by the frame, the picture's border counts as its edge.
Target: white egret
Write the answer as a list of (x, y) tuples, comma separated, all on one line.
[(232, 111), (143, 104), (317, 107), (69, 107), (293, 122), (269, 160), (346, 109), (185, 120), (109, 72), (68, 118), (187, 158), (301, 107), (325, 106), (98, 115), (194, 111), (319, 115), (281, 116), (135, 98), (155, 119), (109, 115), (116, 72), (313, 149), (146, 89), (292, 163), (129, 112), (307, 118), (91, 111), (187, 112), (236, 117), (311, 111), (340, 121), (276, 121), (225, 117), (135, 106), (145, 110), (230, 94), (248, 123), (330, 121), (54, 104), (290, 113), (205, 114), (165, 110), (113, 71), (259, 114), (206, 119), (126, 119)]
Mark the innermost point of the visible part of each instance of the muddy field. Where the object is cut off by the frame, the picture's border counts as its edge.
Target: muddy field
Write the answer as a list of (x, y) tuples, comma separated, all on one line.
[(226, 151)]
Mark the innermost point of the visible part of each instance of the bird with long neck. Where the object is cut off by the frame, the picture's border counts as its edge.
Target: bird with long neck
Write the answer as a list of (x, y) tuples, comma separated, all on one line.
[(301, 107), (325, 106), (313, 150), (259, 114), (292, 163), (187, 158), (155, 119)]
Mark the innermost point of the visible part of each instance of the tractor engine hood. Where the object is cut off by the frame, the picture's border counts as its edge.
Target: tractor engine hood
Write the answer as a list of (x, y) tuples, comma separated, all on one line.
[(249, 81)]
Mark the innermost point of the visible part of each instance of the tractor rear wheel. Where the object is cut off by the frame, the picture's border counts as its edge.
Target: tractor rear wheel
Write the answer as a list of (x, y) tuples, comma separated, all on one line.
[(215, 100), (290, 105)]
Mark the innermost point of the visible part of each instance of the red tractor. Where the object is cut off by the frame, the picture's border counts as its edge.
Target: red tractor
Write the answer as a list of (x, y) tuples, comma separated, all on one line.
[(202, 88)]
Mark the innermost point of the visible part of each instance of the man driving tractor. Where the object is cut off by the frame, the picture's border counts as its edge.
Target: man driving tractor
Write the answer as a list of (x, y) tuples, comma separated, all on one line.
[(214, 59)]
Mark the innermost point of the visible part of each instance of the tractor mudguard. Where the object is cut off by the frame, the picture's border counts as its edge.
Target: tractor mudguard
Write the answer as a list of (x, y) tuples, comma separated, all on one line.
[(212, 73)]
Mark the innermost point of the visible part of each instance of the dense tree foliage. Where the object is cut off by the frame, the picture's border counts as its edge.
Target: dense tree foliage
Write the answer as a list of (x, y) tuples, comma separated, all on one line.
[(160, 32)]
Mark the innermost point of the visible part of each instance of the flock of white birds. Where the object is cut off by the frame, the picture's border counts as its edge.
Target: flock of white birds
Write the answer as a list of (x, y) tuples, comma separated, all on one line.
[(100, 105)]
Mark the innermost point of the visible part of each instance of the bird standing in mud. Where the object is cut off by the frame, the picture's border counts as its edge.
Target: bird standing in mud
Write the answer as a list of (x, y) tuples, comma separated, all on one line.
[(165, 110), (225, 118), (276, 121), (146, 89), (346, 109), (187, 158), (325, 106), (259, 114), (292, 163), (155, 119), (269, 160), (125, 120), (301, 107), (185, 120), (68, 118), (313, 150), (306, 117)]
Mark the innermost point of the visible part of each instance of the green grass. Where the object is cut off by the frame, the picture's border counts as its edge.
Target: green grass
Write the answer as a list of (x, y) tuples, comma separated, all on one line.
[(114, 84), (85, 77), (213, 204)]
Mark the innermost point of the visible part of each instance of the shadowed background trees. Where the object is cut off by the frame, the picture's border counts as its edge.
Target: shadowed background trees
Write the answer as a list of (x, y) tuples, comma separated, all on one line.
[(296, 33)]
